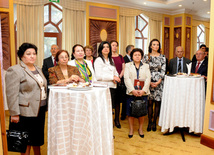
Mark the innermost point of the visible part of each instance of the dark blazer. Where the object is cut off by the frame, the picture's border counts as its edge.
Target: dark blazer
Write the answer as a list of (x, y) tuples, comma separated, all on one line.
[(47, 63), (173, 65), (137, 88), (55, 73), (202, 69), (23, 90), (126, 59)]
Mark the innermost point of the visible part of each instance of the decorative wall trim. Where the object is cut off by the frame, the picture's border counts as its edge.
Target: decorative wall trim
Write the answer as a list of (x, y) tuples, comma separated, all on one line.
[(4, 4), (207, 141), (178, 21), (188, 42), (188, 21), (96, 11), (167, 21)]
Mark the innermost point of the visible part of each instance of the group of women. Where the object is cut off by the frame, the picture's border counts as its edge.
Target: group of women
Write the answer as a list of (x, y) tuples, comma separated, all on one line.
[(26, 86)]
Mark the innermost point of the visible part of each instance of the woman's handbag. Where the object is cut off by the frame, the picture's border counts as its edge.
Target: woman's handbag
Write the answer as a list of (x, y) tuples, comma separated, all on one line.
[(139, 107), (17, 140)]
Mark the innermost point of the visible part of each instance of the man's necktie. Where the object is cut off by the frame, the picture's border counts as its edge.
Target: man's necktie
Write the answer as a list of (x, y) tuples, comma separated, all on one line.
[(179, 66), (54, 62), (197, 67)]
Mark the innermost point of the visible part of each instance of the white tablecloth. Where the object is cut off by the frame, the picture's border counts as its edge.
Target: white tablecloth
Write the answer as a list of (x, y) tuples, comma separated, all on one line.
[(182, 104), (80, 122)]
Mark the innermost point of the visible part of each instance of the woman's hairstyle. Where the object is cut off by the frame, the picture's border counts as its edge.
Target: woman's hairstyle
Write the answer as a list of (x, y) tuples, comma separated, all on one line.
[(73, 50), (90, 47), (150, 44), (114, 41), (100, 54), (136, 50), (24, 47), (59, 52)]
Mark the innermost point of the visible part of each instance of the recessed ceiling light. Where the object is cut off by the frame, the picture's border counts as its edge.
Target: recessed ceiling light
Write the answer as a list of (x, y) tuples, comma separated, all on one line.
[(144, 3), (180, 5), (208, 12), (205, 0)]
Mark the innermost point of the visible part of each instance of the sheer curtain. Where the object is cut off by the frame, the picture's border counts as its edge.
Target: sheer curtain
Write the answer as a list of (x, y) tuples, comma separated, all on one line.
[(30, 27), (154, 29), (126, 33), (73, 28)]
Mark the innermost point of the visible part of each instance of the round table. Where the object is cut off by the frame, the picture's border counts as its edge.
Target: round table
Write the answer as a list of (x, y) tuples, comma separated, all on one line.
[(80, 122)]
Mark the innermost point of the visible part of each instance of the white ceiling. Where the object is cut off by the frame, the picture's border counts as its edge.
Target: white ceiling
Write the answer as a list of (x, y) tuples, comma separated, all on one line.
[(198, 8)]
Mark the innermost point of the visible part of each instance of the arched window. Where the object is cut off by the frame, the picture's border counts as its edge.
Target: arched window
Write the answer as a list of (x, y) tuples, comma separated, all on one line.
[(200, 35), (141, 32), (52, 27)]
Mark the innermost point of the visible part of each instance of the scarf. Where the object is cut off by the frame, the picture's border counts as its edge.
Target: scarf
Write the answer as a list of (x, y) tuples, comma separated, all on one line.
[(84, 71)]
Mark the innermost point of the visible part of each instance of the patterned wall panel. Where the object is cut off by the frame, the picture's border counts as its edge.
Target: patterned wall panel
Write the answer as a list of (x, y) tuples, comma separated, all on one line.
[(166, 41), (167, 21), (177, 38), (95, 11), (188, 21), (188, 42), (178, 21), (101, 30), (5, 30), (4, 3)]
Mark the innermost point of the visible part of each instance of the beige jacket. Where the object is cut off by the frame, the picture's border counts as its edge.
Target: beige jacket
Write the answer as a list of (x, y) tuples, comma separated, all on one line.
[(23, 90), (130, 75)]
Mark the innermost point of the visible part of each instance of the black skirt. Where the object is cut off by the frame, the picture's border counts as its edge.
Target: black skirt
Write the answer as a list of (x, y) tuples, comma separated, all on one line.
[(34, 125)]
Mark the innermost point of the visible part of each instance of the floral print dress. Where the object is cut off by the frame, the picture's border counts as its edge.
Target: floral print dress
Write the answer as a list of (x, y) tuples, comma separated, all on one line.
[(157, 68)]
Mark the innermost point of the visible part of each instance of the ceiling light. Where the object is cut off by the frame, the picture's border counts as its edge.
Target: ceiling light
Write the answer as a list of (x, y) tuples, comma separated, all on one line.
[(180, 5), (208, 12), (144, 3), (205, 0)]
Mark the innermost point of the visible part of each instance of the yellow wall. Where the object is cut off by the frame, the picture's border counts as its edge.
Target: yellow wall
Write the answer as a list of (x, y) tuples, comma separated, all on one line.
[(209, 105), (12, 38), (89, 17)]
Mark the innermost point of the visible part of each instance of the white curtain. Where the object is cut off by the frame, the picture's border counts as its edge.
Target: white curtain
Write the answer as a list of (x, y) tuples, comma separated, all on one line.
[(30, 28), (154, 29), (73, 29), (126, 32)]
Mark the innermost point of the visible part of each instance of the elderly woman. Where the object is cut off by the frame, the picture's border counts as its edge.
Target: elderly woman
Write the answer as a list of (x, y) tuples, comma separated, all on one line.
[(89, 53), (105, 70), (84, 66), (136, 70), (157, 65), (26, 89), (63, 73)]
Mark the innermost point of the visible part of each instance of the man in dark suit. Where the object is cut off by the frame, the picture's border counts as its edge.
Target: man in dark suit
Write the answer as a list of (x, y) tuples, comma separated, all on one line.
[(200, 66), (178, 64), (127, 57), (49, 62), (202, 48)]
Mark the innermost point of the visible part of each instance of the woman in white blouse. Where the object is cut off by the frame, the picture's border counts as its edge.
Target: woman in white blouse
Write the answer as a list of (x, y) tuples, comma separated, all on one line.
[(84, 66), (105, 70)]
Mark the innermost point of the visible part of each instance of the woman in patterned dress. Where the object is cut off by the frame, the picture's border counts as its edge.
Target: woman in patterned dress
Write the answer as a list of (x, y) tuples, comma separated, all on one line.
[(157, 64)]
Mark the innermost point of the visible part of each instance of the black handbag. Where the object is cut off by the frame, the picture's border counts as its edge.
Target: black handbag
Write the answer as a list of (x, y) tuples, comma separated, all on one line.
[(17, 140), (138, 107)]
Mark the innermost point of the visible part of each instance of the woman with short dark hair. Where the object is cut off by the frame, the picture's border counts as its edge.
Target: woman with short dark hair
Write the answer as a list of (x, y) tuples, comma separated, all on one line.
[(136, 70), (26, 89)]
